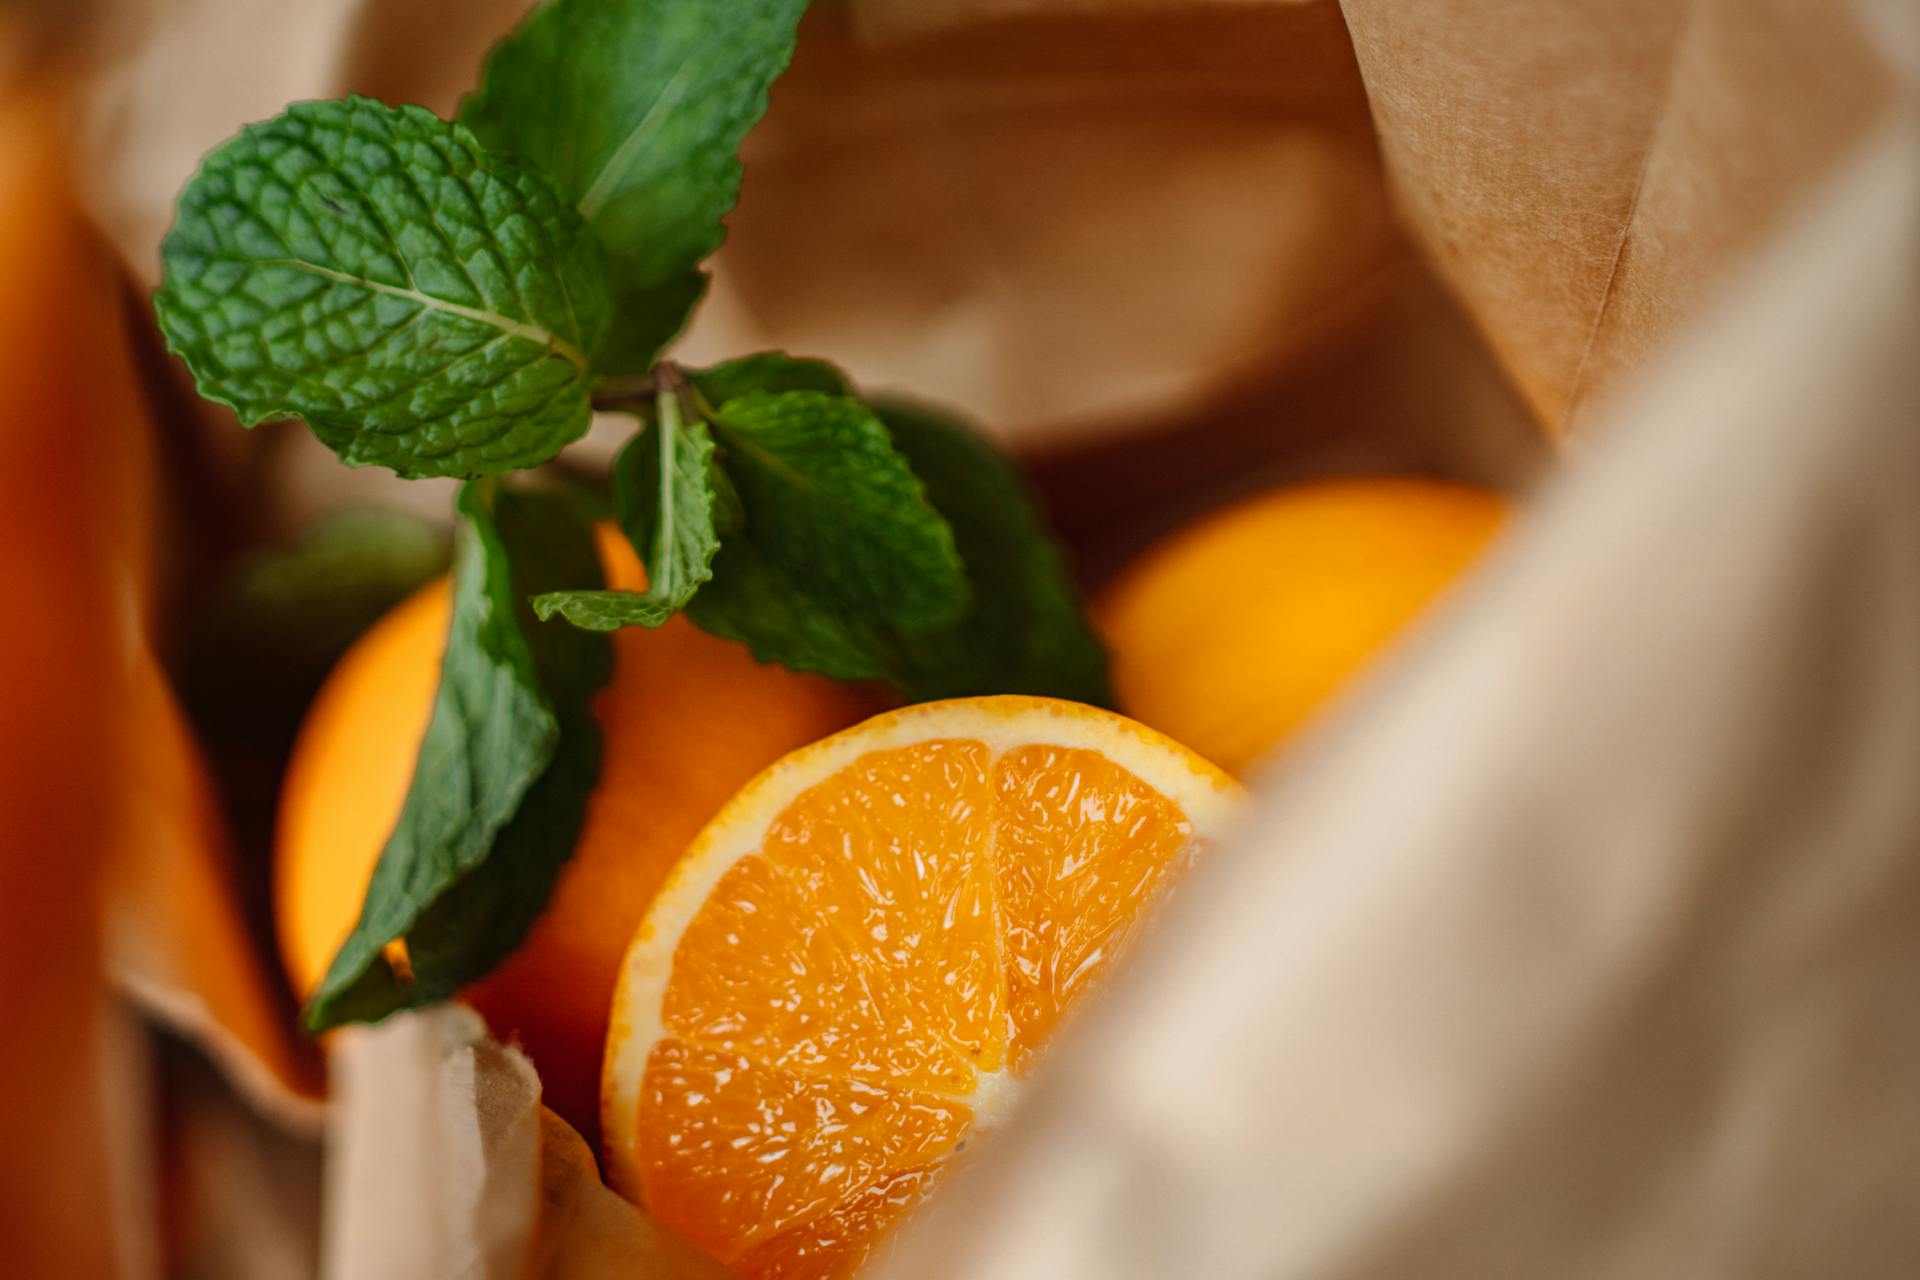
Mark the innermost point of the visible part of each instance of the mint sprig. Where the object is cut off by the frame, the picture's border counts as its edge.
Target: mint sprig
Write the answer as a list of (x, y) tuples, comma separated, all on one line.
[(456, 299), (423, 304), (753, 520), (637, 108)]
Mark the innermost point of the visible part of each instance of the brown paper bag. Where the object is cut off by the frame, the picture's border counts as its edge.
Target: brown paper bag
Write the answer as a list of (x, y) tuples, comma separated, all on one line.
[(1585, 944), (1069, 217)]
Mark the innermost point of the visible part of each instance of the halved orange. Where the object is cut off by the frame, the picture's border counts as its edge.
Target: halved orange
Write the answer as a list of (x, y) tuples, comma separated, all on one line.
[(854, 964)]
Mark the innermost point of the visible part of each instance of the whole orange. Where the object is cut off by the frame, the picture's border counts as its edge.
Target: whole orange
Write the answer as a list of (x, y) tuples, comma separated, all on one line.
[(687, 719), (1227, 635)]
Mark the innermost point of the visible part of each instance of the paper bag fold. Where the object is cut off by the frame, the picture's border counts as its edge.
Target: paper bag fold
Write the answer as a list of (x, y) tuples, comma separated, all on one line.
[(1584, 945)]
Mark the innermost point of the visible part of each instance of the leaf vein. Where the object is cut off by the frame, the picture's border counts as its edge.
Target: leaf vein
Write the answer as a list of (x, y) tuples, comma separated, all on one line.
[(613, 172), (517, 328)]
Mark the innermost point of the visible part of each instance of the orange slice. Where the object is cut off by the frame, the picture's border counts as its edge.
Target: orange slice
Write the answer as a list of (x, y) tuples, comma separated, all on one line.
[(855, 963)]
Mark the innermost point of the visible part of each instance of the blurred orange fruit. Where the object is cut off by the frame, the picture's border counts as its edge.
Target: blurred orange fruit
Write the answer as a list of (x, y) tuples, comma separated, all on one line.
[(852, 968), (1230, 633), (687, 719)]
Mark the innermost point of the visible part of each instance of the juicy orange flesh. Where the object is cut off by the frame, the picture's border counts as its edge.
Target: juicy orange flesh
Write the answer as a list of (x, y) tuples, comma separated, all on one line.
[(920, 918)]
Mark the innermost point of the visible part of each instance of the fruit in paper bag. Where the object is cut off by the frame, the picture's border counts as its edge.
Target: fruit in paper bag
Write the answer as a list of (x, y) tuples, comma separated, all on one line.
[(686, 720)]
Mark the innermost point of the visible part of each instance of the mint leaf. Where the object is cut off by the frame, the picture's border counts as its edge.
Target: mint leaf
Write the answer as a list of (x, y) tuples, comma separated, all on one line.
[(421, 304), (831, 505), (663, 485), (779, 621), (637, 108), (604, 610), (770, 371), (500, 787), (1026, 630)]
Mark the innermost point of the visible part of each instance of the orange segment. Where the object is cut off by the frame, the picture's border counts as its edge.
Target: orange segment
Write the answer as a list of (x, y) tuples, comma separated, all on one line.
[(797, 999), (836, 1242), (1084, 848), (854, 964), (793, 1148), (895, 853)]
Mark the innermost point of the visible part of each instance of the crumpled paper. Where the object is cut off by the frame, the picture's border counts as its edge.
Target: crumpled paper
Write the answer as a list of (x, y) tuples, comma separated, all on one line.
[(444, 1163), (1585, 176)]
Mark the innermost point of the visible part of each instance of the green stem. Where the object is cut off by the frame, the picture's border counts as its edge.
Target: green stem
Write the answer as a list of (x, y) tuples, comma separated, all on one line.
[(629, 391), (667, 405)]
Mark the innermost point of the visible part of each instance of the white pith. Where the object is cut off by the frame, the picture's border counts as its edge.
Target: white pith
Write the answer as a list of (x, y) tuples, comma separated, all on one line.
[(992, 1099)]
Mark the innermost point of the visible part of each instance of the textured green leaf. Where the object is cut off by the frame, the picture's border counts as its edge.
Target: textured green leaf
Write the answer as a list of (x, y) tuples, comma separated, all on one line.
[(831, 505), (421, 304), (779, 621), (637, 108), (1026, 630), (767, 371), (604, 610), (499, 789), (663, 485)]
